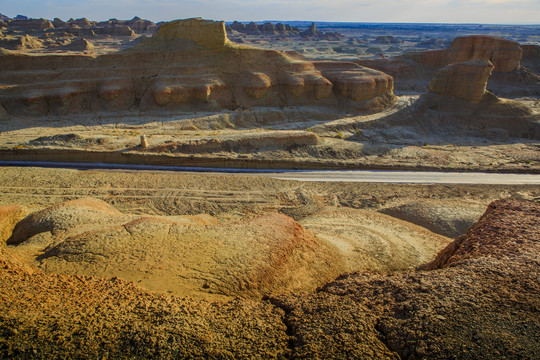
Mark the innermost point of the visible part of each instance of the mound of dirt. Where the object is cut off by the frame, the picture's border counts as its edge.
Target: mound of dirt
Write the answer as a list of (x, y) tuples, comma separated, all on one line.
[(186, 255)]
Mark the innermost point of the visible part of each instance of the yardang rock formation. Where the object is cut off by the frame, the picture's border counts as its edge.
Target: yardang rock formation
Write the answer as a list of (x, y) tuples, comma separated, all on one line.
[(188, 64)]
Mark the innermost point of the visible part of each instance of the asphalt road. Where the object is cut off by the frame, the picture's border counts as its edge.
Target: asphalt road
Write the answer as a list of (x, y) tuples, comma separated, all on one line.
[(372, 176), (411, 177)]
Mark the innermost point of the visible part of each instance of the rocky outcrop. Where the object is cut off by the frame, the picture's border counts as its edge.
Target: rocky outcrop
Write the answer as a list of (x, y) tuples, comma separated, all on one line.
[(58, 23), (206, 33), (188, 64), (387, 39), (504, 54), (530, 51), (355, 82), (466, 80), (79, 44), (21, 43), (266, 28), (82, 22), (312, 31), (114, 30), (31, 25), (136, 24)]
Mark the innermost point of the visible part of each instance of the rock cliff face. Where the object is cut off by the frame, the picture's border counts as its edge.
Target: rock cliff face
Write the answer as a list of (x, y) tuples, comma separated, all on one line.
[(504, 54), (188, 64), (466, 80), (205, 33)]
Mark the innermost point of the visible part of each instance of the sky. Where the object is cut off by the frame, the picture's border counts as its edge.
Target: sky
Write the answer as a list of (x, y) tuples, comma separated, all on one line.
[(423, 11)]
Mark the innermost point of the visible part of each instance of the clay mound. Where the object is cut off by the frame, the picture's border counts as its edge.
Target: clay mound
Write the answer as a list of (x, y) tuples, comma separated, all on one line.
[(214, 74), (503, 220), (482, 308), (447, 219), (369, 241), (356, 82), (268, 255), (74, 215), (187, 255), (30, 25)]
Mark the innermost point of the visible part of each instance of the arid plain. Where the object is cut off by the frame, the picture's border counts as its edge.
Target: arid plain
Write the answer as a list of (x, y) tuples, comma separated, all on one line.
[(124, 264)]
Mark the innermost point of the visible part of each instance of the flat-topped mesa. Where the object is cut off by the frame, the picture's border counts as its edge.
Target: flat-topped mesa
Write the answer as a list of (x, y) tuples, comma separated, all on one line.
[(466, 80), (504, 54), (206, 33)]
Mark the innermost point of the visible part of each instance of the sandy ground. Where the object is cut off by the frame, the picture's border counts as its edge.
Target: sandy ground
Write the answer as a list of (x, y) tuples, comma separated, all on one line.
[(259, 138)]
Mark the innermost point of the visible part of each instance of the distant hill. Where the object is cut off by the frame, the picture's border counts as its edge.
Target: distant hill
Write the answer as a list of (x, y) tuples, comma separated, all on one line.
[(4, 17)]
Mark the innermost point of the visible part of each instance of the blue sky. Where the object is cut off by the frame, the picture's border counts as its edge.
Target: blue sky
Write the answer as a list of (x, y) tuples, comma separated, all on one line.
[(448, 11)]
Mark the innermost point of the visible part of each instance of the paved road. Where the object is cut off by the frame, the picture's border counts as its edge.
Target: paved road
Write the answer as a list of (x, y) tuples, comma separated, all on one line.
[(379, 176), (410, 177)]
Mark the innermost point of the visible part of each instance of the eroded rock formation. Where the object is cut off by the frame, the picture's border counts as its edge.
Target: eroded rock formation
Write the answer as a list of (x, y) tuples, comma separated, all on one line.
[(188, 64), (504, 54), (414, 71), (466, 80)]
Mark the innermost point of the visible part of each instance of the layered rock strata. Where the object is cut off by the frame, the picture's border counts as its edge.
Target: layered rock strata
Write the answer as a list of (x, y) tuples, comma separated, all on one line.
[(188, 64), (504, 54), (466, 80)]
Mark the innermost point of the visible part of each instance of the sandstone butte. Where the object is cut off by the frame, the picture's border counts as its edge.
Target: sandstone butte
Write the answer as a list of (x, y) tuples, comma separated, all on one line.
[(187, 65), (466, 80), (504, 54)]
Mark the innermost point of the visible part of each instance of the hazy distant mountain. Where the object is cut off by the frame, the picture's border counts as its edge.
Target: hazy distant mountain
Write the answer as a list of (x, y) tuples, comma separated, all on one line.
[(4, 17)]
